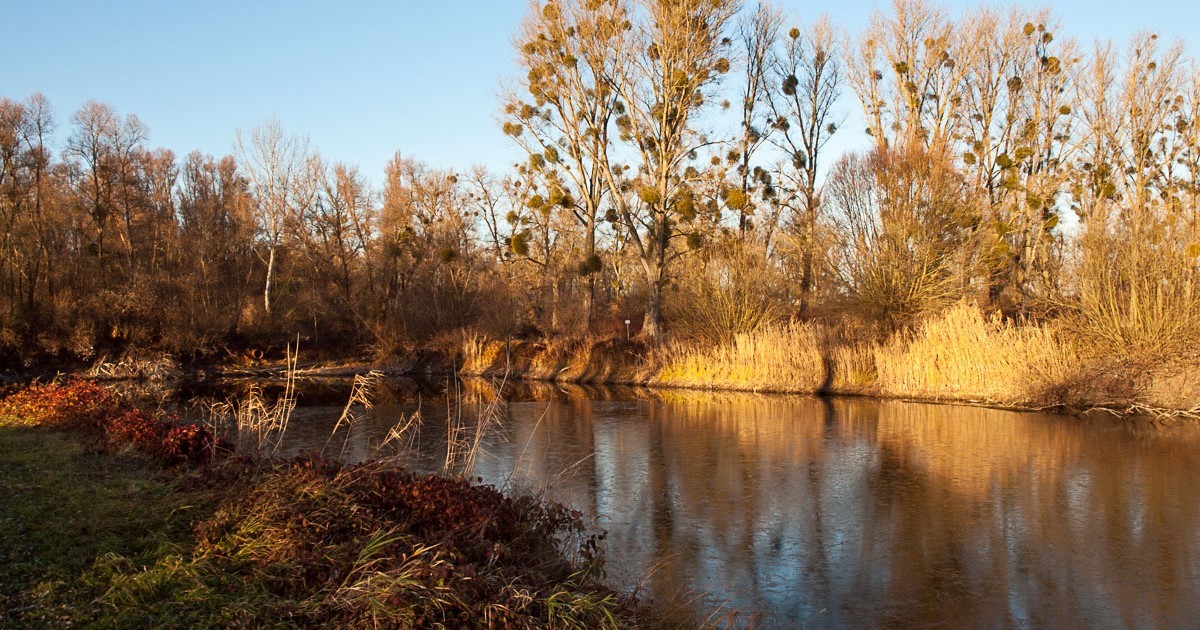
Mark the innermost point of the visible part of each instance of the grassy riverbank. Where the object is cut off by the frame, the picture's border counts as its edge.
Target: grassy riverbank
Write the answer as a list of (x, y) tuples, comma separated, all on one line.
[(107, 526), (73, 518), (960, 356)]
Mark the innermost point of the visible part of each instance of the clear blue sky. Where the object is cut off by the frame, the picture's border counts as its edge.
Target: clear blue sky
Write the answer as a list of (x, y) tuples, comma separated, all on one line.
[(362, 79)]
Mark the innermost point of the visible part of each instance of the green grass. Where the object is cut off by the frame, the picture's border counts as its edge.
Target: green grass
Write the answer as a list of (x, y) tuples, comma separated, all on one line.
[(69, 515)]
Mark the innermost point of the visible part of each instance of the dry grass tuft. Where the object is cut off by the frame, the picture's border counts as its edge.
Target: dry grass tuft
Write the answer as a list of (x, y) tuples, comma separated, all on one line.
[(360, 397), (260, 425), (788, 358), (963, 355)]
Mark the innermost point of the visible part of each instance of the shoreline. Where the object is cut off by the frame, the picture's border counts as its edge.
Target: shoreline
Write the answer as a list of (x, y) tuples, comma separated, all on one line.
[(341, 372), (142, 520), (961, 357)]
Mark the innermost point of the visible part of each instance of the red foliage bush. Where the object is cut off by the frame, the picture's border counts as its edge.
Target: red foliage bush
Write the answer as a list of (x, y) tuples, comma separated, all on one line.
[(305, 525), (190, 444), (71, 404), (88, 408), (135, 427)]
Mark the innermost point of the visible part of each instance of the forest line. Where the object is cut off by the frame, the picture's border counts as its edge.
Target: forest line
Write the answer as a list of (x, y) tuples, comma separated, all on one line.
[(675, 176)]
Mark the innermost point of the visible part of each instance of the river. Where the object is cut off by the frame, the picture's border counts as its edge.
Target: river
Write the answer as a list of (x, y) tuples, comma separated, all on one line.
[(789, 511)]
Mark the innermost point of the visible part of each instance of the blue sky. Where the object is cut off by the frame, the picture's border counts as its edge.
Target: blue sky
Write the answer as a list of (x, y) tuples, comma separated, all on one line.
[(362, 79)]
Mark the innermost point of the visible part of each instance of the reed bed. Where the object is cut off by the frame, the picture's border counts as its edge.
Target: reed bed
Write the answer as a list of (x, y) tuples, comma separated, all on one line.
[(960, 354), (790, 358), (966, 356)]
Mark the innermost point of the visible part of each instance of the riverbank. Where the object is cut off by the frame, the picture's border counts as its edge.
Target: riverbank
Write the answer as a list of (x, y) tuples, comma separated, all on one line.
[(120, 518), (961, 356)]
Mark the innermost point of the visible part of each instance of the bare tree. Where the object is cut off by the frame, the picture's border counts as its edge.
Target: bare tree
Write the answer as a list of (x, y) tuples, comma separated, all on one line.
[(900, 221), (908, 72), (807, 77), (566, 48), (672, 57), (1131, 186), (25, 229), (104, 147), (757, 35), (278, 167), (1016, 142)]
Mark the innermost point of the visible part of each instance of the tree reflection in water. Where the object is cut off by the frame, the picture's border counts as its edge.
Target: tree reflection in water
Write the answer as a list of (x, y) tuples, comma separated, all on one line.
[(848, 512)]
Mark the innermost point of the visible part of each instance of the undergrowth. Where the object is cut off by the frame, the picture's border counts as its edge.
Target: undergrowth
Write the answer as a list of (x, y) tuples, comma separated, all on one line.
[(307, 542)]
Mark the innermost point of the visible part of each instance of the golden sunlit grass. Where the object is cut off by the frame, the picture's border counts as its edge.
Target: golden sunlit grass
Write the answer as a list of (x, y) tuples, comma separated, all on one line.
[(789, 358), (959, 354), (963, 355)]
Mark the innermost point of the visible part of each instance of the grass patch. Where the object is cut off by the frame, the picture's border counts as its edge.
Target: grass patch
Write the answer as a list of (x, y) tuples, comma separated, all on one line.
[(964, 355), (787, 359), (67, 513)]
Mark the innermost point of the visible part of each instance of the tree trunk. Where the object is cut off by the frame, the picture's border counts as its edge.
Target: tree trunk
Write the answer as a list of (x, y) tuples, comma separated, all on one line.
[(806, 262), (270, 276), (589, 300), (554, 305), (652, 321), (589, 296)]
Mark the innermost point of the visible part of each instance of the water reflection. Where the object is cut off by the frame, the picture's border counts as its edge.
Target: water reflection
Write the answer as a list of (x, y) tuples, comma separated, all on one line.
[(850, 512)]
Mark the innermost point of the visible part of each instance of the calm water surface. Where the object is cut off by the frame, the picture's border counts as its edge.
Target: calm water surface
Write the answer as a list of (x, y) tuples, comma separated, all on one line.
[(798, 511)]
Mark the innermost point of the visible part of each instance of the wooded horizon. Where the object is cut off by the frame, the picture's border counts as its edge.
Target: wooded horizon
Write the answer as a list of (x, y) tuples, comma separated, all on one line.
[(675, 176)]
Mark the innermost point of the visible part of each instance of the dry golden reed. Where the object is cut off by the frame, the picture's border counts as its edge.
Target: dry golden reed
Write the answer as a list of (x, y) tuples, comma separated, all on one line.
[(963, 355), (775, 358), (958, 355)]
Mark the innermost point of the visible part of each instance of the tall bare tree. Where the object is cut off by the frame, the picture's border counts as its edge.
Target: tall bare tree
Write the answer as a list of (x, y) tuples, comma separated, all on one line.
[(1139, 271), (1016, 140), (908, 71), (672, 57), (279, 168), (103, 147), (757, 35), (563, 111), (25, 229), (807, 75)]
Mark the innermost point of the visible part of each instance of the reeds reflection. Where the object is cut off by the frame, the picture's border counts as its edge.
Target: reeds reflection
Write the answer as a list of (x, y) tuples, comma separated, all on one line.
[(856, 511)]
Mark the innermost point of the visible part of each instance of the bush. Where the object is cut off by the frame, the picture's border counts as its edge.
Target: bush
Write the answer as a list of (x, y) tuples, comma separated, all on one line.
[(368, 545), (192, 445), (72, 404), (738, 291), (88, 408), (137, 428)]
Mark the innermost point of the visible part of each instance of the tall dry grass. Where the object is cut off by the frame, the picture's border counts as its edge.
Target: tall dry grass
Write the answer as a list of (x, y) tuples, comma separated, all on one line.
[(478, 352), (359, 402), (964, 355), (259, 424), (465, 439), (790, 358), (960, 354)]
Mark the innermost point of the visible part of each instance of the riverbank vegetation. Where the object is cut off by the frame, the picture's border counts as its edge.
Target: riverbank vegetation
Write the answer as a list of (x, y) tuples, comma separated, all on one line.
[(1020, 228), (111, 523)]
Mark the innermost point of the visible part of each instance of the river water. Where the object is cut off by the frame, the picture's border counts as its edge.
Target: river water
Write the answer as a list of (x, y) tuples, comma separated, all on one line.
[(789, 511)]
